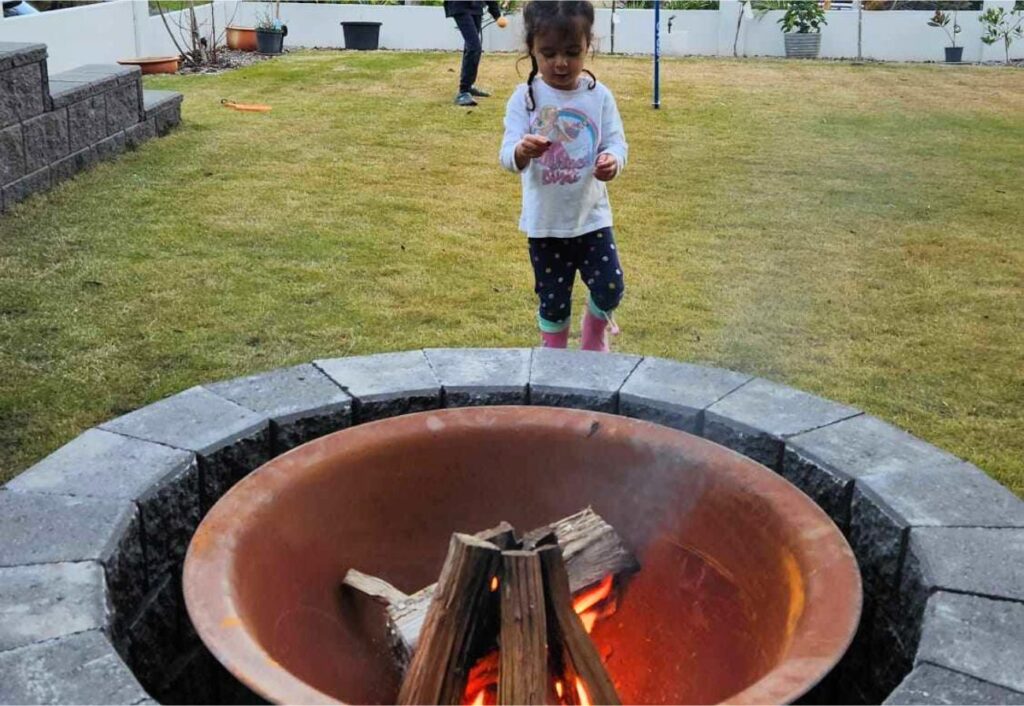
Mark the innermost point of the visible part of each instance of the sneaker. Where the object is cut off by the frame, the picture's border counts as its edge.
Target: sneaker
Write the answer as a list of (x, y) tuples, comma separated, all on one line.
[(478, 92), (465, 99)]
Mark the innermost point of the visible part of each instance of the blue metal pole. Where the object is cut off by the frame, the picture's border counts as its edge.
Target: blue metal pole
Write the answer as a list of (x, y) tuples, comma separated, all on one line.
[(657, 54)]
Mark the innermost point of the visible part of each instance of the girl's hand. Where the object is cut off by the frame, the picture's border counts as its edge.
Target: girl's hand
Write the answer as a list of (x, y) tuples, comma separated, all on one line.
[(606, 167), (531, 147)]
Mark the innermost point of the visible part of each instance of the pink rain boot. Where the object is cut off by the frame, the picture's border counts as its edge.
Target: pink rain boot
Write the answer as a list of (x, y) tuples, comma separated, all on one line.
[(594, 331), (555, 340)]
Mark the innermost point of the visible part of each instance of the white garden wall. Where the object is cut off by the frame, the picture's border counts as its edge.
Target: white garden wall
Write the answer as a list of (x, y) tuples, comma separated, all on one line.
[(106, 32)]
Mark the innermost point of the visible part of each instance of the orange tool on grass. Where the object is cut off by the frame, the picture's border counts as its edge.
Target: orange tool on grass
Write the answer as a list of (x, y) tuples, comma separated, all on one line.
[(245, 107)]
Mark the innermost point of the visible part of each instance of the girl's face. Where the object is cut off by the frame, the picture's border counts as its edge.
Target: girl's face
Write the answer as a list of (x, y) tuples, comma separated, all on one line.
[(560, 58)]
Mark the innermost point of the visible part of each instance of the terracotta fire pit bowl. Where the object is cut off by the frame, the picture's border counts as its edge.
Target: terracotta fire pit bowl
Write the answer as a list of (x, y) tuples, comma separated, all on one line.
[(747, 591)]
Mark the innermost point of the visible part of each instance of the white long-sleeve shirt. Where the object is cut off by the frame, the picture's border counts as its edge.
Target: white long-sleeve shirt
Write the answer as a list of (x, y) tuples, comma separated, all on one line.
[(561, 197)]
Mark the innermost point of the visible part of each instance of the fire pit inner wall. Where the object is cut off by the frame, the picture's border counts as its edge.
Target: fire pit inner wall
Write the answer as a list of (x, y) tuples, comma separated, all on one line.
[(747, 591)]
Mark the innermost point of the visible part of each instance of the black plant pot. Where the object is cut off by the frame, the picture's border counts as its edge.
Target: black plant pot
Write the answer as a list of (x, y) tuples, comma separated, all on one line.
[(269, 41), (361, 35), (954, 55)]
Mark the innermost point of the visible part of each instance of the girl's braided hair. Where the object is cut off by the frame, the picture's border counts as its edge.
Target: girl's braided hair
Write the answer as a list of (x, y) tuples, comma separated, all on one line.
[(569, 18)]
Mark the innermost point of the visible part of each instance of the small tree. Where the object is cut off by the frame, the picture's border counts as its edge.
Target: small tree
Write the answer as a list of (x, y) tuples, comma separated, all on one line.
[(941, 19), (1000, 24)]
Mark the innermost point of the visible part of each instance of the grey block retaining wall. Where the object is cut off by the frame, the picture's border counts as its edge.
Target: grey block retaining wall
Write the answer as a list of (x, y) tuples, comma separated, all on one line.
[(95, 534), (52, 127)]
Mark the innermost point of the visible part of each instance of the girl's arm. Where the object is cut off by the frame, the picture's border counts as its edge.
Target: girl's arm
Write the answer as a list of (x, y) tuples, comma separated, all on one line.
[(613, 137), (517, 124)]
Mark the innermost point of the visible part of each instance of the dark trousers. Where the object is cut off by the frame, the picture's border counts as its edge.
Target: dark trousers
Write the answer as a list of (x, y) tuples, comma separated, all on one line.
[(469, 25), (556, 262)]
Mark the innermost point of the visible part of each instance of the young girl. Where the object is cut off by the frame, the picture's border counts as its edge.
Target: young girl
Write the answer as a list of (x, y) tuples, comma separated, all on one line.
[(563, 134)]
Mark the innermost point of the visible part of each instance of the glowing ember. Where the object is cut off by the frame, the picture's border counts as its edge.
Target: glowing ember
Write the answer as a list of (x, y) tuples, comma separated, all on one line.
[(591, 605), (581, 691), (588, 599)]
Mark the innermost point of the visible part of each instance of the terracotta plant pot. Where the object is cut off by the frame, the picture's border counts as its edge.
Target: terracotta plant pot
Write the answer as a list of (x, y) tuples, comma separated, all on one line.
[(242, 38), (154, 64)]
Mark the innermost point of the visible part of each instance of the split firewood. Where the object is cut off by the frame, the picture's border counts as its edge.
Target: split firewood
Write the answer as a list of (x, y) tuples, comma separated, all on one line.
[(592, 550), (573, 650), (523, 672), (458, 625)]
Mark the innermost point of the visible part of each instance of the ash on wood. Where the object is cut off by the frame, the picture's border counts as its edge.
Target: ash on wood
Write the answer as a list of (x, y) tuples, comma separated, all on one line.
[(457, 624)]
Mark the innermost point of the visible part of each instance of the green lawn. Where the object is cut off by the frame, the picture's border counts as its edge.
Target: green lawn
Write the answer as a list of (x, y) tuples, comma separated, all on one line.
[(855, 231)]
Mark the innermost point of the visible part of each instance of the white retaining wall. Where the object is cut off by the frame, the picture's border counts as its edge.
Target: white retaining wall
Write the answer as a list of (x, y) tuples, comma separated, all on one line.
[(118, 29)]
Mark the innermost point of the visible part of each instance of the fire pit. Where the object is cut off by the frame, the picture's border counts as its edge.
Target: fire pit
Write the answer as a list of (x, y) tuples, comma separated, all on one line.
[(747, 591)]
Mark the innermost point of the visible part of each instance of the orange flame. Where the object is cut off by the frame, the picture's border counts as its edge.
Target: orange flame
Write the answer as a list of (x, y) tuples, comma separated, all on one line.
[(581, 691), (588, 599), (494, 584), (559, 689), (479, 700)]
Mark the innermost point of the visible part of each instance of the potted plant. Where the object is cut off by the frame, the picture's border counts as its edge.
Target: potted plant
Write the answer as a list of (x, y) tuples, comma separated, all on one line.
[(363, 36), (270, 34), (802, 25), (942, 20)]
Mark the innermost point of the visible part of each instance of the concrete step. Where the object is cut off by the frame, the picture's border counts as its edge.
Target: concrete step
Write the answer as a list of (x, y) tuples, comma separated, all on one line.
[(163, 108)]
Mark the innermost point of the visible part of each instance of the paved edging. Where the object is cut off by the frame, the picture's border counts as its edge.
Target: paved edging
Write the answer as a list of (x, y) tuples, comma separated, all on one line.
[(96, 532)]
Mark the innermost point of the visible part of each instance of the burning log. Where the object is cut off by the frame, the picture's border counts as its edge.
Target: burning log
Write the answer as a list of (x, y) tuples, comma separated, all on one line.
[(448, 633), (579, 659), (591, 548), (456, 625), (523, 674)]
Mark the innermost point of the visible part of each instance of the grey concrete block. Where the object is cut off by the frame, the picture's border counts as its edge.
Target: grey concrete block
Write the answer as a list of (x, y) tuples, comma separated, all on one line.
[(886, 505), (385, 385), (481, 376), (41, 529), (824, 462), (26, 186), (79, 669), (87, 122), (154, 101), (152, 640), (929, 684), (579, 379), (73, 164), (44, 601), (675, 394), (976, 636), (66, 91), (891, 652), (110, 147), (123, 75), (22, 94), (194, 420), (123, 109), (301, 402), (12, 154), (14, 54), (231, 441), (46, 139), (190, 679), (166, 119), (162, 481), (139, 133), (973, 560), (756, 419)]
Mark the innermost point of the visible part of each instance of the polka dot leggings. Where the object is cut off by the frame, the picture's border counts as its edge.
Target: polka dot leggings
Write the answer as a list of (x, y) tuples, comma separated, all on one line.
[(555, 263)]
